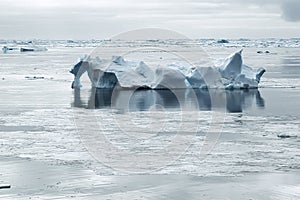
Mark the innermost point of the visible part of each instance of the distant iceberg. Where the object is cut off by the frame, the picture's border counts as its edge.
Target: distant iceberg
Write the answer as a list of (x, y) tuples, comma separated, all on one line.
[(6, 49), (117, 72), (33, 48), (222, 41)]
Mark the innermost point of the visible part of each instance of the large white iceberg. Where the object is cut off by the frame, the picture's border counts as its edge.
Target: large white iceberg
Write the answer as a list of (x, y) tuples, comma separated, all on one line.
[(117, 72)]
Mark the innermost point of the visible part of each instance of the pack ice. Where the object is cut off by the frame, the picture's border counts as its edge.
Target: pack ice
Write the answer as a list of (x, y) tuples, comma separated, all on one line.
[(118, 72)]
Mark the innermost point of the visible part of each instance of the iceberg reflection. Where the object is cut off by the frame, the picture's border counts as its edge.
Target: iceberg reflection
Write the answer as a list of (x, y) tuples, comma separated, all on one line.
[(184, 99)]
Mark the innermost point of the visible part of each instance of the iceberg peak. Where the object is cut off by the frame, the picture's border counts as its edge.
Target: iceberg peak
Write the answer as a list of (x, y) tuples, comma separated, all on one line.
[(119, 60), (232, 65)]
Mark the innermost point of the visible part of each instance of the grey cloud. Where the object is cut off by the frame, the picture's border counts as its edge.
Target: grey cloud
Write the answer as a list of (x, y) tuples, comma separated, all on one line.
[(291, 10), (102, 18)]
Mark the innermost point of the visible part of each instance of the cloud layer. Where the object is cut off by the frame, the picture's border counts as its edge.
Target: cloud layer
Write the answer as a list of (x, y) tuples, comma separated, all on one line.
[(194, 18)]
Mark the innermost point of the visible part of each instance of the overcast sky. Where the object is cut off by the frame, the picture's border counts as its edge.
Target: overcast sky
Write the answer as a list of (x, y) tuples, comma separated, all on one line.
[(98, 19)]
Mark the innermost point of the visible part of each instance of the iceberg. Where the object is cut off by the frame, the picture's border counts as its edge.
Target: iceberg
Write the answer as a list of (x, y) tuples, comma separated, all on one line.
[(121, 73), (33, 48), (222, 41), (5, 49)]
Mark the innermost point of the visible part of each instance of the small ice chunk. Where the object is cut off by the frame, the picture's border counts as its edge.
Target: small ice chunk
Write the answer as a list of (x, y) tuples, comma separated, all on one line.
[(223, 41), (4, 186), (287, 135)]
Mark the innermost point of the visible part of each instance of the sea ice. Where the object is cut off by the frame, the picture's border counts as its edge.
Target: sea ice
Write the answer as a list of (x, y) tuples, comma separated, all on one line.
[(118, 72)]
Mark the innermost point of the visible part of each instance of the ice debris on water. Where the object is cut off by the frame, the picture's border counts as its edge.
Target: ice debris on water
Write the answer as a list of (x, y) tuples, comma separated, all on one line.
[(30, 48), (266, 52), (34, 77), (284, 136)]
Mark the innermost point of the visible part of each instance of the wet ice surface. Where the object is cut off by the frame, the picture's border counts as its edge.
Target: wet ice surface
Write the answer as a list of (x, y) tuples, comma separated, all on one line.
[(46, 150)]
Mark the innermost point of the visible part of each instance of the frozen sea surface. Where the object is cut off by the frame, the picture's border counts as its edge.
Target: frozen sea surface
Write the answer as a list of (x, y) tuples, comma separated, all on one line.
[(53, 140)]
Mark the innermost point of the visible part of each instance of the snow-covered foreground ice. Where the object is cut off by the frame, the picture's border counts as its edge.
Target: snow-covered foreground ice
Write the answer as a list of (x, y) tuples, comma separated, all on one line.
[(44, 152), (40, 141), (42, 181)]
